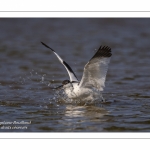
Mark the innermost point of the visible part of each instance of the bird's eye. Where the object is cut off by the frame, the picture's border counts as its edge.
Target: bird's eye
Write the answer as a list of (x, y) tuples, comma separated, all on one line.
[(65, 82)]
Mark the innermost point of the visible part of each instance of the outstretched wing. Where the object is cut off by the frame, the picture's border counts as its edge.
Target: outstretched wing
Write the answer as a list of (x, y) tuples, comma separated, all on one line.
[(96, 69), (68, 68)]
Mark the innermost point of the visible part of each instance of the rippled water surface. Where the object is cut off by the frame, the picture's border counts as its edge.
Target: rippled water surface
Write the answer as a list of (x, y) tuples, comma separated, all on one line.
[(28, 70)]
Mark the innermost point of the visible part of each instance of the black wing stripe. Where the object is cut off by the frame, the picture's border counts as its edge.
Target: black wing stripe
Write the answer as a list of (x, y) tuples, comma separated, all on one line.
[(69, 68)]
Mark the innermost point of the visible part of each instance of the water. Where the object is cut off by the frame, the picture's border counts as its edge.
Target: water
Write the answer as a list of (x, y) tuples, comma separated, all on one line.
[(28, 70)]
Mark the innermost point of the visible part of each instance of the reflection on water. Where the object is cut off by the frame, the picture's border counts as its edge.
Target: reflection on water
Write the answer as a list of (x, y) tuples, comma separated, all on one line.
[(28, 71), (85, 111), (73, 118)]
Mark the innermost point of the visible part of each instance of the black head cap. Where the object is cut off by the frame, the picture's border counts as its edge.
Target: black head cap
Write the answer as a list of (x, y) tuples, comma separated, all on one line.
[(65, 82)]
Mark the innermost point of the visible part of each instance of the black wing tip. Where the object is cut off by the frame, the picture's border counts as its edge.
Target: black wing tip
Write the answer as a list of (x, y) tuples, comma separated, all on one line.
[(47, 46), (104, 51), (105, 48)]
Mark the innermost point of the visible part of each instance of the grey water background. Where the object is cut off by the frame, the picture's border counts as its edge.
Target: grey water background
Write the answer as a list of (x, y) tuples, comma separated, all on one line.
[(28, 70)]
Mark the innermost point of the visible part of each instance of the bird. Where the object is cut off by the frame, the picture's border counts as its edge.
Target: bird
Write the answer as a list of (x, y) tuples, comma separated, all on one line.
[(92, 83)]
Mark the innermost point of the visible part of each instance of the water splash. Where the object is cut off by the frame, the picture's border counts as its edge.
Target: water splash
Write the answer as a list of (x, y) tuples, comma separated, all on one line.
[(36, 85)]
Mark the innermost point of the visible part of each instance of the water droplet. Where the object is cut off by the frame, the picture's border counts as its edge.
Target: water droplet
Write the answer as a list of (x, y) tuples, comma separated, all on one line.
[(43, 79), (31, 73)]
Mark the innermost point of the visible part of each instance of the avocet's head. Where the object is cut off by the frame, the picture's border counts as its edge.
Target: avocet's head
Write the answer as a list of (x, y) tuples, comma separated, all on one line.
[(65, 82)]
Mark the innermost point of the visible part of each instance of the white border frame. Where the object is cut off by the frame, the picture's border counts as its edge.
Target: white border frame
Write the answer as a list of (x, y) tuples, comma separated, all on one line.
[(74, 14)]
